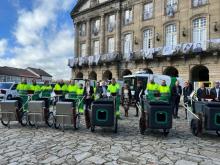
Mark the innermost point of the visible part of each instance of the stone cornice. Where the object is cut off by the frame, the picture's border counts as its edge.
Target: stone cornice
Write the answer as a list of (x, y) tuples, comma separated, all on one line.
[(75, 13)]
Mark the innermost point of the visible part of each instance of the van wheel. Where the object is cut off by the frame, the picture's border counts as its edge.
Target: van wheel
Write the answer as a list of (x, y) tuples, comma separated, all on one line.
[(9, 97)]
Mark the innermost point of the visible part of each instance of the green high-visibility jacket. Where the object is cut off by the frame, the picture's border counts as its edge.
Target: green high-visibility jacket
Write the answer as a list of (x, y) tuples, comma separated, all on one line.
[(72, 88), (164, 89), (152, 87), (79, 91), (35, 88), (113, 88), (46, 88)]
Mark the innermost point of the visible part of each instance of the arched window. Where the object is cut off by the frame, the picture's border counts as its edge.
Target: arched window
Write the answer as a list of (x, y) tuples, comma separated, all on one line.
[(200, 31), (147, 39), (171, 35)]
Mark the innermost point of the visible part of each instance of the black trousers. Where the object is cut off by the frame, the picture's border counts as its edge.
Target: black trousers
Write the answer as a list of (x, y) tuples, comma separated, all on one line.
[(175, 108), (88, 103)]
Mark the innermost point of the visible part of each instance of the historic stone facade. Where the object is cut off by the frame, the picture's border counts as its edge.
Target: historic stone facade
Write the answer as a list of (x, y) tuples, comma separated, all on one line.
[(119, 37)]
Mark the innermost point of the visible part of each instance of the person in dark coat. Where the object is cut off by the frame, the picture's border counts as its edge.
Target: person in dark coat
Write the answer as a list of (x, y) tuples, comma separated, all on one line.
[(126, 98), (187, 90), (139, 92), (88, 94), (176, 93), (215, 92), (202, 92), (89, 98)]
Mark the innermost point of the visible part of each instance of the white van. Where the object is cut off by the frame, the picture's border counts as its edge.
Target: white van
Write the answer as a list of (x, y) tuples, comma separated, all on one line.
[(132, 80), (8, 90)]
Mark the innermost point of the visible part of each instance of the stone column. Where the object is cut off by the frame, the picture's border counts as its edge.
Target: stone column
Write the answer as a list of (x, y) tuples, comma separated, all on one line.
[(118, 31), (118, 40), (76, 41), (102, 35), (88, 36)]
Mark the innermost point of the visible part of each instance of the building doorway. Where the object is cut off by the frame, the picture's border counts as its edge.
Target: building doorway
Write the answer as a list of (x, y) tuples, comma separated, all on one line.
[(148, 71), (199, 73), (92, 75), (79, 75), (171, 71), (126, 72), (107, 75)]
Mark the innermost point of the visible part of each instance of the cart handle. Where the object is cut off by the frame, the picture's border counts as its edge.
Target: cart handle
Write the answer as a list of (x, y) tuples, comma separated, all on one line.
[(191, 112)]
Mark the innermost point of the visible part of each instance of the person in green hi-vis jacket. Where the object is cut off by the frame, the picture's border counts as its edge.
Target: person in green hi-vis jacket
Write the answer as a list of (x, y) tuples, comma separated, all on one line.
[(164, 92), (36, 90), (22, 89), (152, 90), (79, 93), (114, 88), (46, 91), (22, 99)]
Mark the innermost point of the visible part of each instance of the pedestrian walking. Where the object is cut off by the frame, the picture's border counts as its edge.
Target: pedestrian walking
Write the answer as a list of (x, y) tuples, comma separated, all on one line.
[(176, 93)]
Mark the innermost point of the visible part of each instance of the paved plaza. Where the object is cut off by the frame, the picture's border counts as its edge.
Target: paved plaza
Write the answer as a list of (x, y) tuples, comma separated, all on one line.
[(26, 145)]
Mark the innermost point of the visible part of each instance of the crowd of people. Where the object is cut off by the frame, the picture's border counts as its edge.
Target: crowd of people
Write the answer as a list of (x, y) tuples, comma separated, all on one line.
[(102, 89)]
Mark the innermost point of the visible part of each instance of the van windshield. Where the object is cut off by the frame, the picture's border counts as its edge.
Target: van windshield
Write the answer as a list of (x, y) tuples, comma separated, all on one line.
[(5, 85), (130, 81)]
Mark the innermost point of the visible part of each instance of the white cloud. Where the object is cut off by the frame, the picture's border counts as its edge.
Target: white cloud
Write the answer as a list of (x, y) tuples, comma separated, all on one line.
[(3, 46), (40, 40)]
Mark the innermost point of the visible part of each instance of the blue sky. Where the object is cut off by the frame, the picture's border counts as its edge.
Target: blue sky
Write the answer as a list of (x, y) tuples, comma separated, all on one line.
[(37, 33)]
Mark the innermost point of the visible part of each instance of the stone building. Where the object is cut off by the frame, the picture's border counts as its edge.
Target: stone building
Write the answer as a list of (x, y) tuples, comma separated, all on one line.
[(114, 38)]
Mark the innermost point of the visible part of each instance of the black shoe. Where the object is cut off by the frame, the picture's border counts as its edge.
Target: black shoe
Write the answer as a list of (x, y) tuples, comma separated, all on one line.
[(177, 117)]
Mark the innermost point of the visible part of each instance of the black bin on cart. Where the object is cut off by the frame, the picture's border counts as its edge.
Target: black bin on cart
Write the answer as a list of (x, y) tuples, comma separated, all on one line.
[(103, 114), (159, 115), (156, 115), (209, 117), (212, 116)]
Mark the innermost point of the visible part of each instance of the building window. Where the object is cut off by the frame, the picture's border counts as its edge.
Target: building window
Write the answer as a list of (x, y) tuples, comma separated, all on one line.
[(111, 45), (111, 23), (147, 39), (96, 48), (82, 50), (171, 35), (96, 27), (197, 3), (127, 44), (148, 11), (171, 7), (128, 16), (82, 29), (200, 31)]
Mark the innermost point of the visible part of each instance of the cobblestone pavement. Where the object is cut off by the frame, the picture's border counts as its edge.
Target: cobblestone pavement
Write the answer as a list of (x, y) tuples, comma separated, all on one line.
[(19, 145)]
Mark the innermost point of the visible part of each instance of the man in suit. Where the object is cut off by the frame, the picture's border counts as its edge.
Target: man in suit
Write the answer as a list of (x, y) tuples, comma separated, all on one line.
[(187, 90), (202, 92), (139, 92), (215, 92), (176, 93)]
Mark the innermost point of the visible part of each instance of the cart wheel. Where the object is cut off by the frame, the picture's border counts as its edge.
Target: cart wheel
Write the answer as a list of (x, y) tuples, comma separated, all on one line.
[(142, 126), (116, 125), (76, 122), (165, 132), (24, 119), (92, 128), (218, 133), (5, 123), (50, 120), (31, 124), (195, 127)]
